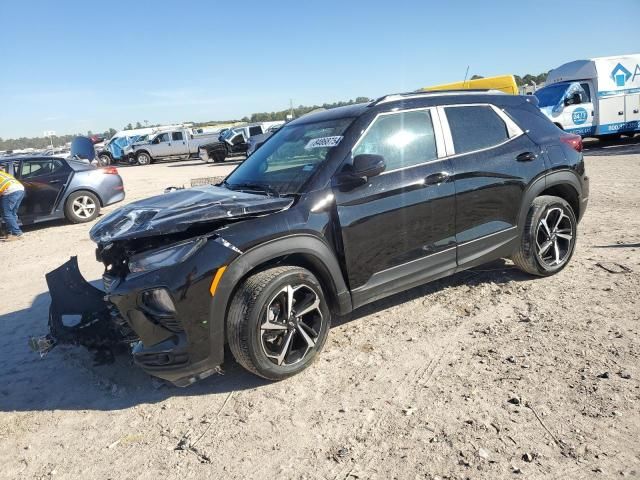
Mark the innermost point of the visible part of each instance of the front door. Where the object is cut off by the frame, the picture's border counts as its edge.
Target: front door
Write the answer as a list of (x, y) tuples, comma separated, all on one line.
[(398, 228), (44, 181), (162, 145), (579, 117), (493, 162)]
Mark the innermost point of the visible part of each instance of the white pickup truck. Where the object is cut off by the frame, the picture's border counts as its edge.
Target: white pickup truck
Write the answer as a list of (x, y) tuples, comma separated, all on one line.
[(176, 144)]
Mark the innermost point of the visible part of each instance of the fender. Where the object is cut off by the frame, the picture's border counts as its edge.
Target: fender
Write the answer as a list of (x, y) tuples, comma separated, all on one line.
[(314, 249), (562, 177)]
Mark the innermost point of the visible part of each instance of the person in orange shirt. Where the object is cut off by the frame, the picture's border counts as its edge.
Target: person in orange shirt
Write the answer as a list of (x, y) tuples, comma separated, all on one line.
[(11, 195)]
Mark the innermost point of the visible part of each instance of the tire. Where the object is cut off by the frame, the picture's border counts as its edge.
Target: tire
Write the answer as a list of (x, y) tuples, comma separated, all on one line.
[(143, 158), (261, 300), (104, 160), (82, 207), (218, 157), (544, 251)]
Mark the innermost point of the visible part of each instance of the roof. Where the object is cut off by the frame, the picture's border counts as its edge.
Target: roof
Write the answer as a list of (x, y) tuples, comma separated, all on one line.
[(348, 111)]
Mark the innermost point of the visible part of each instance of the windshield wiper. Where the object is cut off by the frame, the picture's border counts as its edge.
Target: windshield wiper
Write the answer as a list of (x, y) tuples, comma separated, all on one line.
[(251, 186)]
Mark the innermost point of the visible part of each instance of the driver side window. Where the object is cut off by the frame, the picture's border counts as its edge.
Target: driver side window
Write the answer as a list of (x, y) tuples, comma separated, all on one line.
[(403, 139)]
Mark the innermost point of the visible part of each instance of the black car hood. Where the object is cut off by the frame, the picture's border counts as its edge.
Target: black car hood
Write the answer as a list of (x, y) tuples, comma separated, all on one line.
[(176, 211)]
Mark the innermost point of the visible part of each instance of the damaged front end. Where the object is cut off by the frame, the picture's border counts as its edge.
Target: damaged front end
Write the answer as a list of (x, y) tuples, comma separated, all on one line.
[(79, 315), (160, 256)]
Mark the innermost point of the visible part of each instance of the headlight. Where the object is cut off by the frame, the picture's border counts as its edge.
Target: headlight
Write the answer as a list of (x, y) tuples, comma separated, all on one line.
[(165, 257)]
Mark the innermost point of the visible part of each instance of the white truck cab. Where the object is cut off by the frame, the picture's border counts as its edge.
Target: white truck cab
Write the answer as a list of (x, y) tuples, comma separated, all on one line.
[(596, 97)]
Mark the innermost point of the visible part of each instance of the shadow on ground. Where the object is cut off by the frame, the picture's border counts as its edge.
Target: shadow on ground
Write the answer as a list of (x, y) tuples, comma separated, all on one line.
[(67, 379)]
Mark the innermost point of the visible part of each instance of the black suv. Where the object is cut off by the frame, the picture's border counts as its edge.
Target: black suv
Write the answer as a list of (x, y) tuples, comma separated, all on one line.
[(337, 209)]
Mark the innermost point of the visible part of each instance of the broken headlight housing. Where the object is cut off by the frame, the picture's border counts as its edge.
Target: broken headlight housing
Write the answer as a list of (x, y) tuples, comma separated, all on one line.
[(166, 256)]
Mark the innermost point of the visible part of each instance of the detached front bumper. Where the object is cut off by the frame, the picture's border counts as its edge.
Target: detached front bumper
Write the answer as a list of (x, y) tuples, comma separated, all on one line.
[(167, 316)]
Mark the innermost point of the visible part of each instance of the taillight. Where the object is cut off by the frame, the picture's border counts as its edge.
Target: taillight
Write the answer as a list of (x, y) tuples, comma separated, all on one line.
[(110, 170), (574, 141)]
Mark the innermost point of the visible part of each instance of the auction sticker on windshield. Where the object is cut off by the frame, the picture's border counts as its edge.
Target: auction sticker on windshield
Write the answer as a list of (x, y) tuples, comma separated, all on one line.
[(323, 142)]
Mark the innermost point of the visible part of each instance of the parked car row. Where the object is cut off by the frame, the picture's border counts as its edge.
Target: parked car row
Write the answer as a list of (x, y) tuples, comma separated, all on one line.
[(71, 188)]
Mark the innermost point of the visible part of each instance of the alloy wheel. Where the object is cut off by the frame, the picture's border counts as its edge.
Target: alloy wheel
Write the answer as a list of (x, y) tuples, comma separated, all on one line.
[(554, 238), (292, 325), (84, 207)]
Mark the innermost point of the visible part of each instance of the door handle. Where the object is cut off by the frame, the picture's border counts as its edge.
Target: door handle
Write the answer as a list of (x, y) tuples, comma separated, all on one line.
[(620, 113), (526, 157), (436, 178), (635, 110)]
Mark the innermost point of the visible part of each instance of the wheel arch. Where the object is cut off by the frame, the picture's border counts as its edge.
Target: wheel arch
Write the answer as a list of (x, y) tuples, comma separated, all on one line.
[(302, 250), (564, 184), (83, 189)]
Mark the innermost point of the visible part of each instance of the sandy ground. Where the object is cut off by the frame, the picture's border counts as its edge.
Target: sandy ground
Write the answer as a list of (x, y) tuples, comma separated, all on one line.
[(488, 374)]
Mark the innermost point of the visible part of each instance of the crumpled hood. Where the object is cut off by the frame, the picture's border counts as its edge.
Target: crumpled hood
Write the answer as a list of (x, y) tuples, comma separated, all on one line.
[(176, 211)]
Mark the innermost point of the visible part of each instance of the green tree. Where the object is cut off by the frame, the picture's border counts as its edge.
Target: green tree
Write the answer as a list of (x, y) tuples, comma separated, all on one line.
[(138, 125)]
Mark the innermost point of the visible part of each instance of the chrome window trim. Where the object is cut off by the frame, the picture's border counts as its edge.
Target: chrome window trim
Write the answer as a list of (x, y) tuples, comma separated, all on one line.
[(513, 130), (437, 130)]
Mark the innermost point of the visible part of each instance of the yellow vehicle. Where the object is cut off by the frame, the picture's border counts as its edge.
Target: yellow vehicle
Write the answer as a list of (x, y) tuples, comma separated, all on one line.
[(504, 83)]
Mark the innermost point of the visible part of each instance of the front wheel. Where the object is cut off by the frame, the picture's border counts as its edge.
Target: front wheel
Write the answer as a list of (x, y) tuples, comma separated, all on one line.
[(549, 237), (104, 160), (143, 158), (278, 322), (82, 207)]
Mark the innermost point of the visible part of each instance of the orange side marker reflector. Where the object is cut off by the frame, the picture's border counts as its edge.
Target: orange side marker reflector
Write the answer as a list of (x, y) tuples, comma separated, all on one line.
[(216, 280)]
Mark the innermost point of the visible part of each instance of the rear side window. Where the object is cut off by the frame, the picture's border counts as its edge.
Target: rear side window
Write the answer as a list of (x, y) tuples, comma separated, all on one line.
[(403, 139), (475, 127), (176, 135), (254, 131)]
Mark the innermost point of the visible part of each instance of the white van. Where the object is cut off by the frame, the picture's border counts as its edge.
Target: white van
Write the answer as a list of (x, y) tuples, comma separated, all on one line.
[(596, 97)]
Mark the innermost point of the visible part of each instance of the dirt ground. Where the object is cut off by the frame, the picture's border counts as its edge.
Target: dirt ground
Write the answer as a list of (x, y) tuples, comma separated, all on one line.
[(489, 374)]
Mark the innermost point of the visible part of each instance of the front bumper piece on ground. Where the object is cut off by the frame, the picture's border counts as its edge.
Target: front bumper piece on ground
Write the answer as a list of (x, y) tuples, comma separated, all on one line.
[(80, 314)]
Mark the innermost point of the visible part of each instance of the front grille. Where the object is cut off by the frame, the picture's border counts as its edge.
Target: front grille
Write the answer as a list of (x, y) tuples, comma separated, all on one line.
[(172, 324)]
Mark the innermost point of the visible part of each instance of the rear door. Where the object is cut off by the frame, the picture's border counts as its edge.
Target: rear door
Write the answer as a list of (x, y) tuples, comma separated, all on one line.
[(178, 144), (398, 229), (493, 162), (632, 112), (44, 181)]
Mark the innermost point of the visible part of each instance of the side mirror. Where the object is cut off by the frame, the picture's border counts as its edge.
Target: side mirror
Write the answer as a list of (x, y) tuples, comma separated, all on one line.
[(574, 99), (364, 167), (368, 165)]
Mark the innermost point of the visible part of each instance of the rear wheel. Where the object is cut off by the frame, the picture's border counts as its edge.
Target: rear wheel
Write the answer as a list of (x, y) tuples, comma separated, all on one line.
[(549, 237), (143, 158), (278, 322), (104, 160), (82, 207)]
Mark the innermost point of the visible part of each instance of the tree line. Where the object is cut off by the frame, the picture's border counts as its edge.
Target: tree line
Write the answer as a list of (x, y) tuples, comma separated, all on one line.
[(60, 140)]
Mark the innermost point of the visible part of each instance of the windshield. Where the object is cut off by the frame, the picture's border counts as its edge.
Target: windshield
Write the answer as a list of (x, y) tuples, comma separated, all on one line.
[(289, 158), (228, 134), (551, 95)]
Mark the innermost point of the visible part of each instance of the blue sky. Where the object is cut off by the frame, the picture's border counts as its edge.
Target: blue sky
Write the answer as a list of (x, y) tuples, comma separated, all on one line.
[(73, 66)]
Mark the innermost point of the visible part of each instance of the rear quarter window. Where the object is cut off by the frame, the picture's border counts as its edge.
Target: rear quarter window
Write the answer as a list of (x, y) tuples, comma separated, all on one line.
[(530, 119), (475, 127)]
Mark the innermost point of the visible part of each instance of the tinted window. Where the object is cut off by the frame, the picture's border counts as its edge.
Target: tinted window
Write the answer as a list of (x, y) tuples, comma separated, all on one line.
[(238, 139), (475, 128), (254, 131), (176, 136), (586, 97), (403, 139), (38, 168), (163, 137)]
